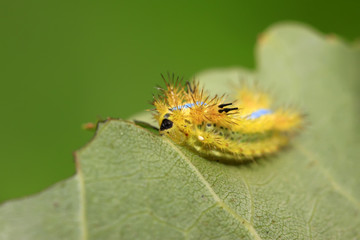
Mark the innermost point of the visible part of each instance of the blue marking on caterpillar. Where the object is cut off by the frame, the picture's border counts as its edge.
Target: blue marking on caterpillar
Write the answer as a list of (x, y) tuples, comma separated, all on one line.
[(188, 105), (258, 113)]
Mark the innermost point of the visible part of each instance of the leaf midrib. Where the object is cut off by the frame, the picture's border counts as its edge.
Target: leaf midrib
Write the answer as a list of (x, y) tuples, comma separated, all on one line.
[(216, 198)]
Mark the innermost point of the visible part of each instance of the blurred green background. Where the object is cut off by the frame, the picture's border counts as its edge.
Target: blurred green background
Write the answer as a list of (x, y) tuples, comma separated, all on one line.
[(63, 63)]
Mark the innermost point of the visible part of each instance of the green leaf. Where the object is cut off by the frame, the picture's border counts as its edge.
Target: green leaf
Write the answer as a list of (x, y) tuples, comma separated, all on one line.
[(134, 184)]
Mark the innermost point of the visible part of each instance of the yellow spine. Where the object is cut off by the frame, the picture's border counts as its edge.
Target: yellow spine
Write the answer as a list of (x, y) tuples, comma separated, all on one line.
[(214, 128)]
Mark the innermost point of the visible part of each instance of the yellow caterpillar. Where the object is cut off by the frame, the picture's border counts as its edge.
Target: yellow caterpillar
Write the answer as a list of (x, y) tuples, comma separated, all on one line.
[(241, 130)]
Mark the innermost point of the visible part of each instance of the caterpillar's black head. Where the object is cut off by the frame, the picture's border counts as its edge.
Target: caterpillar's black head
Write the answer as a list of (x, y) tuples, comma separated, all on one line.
[(172, 128), (166, 124)]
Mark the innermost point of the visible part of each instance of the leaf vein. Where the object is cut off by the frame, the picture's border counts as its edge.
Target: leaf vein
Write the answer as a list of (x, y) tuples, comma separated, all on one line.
[(82, 207), (243, 221), (336, 186)]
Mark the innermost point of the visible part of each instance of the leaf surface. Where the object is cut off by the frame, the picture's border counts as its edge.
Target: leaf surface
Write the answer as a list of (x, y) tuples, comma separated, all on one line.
[(134, 184)]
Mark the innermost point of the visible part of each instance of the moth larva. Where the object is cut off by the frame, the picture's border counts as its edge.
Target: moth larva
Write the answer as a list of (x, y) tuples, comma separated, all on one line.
[(239, 130)]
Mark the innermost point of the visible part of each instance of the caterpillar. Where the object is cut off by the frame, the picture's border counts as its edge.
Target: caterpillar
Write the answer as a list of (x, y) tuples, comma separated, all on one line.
[(240, 130)]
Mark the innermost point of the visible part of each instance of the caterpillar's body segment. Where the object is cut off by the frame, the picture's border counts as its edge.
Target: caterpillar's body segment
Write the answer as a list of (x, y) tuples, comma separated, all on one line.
[(244, 129)]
